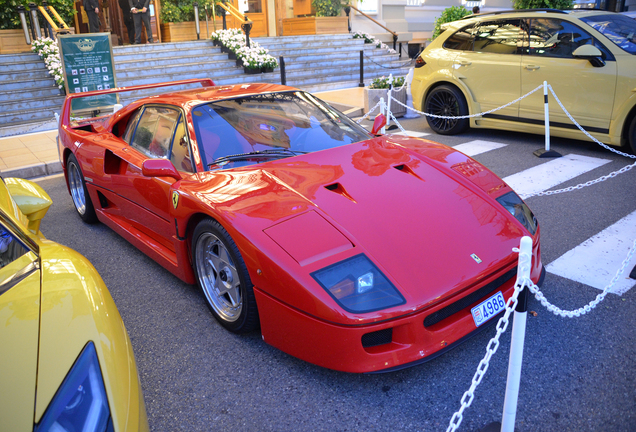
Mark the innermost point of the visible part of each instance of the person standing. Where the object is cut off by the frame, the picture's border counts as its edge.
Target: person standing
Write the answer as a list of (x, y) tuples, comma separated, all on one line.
[(92, 12), (128, 20), (139, 9)]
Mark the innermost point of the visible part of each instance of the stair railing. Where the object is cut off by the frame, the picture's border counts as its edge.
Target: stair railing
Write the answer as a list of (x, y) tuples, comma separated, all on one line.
[(246, 25), (347, 10), (32, 20)]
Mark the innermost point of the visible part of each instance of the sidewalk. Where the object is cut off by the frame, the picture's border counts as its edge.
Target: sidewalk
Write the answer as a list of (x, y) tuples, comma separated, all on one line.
[(35, 154)]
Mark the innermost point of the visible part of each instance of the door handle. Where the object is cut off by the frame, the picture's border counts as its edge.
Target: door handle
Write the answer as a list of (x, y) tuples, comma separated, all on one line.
[(532, 67), (465, 63)]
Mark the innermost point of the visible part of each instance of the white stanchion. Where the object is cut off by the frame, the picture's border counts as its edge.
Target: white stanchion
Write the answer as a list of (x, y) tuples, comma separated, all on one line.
[(384, 111), (546, 152), (388, 102), (518, 338)]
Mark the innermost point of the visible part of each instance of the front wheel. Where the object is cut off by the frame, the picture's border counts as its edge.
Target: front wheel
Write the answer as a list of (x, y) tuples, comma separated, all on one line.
[(446, 101), (223, 277), (79, 193), (631, 137)]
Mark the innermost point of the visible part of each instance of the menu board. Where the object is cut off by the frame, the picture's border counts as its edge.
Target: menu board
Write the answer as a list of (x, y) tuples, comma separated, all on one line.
[(87, 61)]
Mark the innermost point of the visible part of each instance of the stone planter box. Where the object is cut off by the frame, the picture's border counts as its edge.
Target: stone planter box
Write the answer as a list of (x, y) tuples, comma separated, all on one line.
[(251, 71), (372, 97), (179, 32), (315, 25), (13, 42)]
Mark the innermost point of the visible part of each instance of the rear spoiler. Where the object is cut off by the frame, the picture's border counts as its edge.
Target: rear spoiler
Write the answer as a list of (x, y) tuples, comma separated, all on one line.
[(66, 108)]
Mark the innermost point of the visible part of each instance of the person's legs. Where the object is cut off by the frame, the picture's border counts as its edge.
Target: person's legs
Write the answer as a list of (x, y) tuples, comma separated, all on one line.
[(146, 18), (137, 22), (93, 21)]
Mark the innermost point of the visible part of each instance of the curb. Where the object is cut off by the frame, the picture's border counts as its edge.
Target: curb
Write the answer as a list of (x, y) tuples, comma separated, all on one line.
[(35, 170)]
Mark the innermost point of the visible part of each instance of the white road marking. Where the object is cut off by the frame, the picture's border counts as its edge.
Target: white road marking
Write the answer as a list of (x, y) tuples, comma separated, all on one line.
[(472, 148), (550, 174), (595, 261), (411, 133)]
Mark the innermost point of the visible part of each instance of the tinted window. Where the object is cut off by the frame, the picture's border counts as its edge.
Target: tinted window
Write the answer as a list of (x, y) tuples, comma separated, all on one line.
[(500, 36), (155, 131), (621, 30), (10, 248), (131, 125), (556, 38), (285, 123), (462, 39), (180, 152)]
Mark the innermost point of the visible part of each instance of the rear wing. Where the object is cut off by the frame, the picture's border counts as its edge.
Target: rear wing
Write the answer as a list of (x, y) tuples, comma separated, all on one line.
[(65, 118)]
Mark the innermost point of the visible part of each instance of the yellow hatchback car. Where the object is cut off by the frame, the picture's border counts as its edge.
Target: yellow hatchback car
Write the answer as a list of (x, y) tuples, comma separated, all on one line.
[(66, 361), (485, 61)]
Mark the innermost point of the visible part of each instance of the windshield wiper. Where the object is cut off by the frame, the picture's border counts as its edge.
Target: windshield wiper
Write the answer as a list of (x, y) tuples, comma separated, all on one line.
[(271, 154)]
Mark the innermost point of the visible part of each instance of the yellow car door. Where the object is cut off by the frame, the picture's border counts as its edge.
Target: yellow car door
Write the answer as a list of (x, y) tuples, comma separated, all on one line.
[(19, 328), (586, 91), (491, 69)]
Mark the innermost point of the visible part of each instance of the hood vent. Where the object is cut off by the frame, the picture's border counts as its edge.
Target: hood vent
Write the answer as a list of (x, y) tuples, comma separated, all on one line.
[(407, 169), (340, 190)]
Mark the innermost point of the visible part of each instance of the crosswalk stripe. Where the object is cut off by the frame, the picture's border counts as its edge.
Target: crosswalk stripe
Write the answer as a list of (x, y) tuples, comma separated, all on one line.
[(595, 261), (412, 134), (472, 148), (547, 175)]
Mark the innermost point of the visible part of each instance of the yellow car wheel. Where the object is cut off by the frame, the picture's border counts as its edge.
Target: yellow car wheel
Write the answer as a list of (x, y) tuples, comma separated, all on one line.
[(631, 137), (448, 101)]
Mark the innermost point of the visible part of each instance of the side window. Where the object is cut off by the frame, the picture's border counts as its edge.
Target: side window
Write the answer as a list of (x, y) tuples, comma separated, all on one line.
[(155, 131), (180, 154), (132, 123), (462, 40), (500, 37), (556, 38), (10, 248)]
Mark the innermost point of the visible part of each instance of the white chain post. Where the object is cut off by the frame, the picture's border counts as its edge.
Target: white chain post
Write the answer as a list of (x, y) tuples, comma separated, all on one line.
[(383, 110), (544, 153), (388, 102), (518, 338)]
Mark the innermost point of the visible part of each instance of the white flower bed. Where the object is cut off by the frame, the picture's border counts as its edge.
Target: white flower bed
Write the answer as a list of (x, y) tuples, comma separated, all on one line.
[(254, 57), (371, 39), (48, 50)]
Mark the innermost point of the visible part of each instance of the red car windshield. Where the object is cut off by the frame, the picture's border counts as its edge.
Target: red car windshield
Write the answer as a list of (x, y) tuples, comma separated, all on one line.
[(256, 128)]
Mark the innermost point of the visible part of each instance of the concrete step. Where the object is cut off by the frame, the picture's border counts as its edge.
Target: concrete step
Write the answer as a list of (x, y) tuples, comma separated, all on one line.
[(33, 74), (32, 92), (142, 68), (334, 44), (291, 39), (21, 66), (175, 73), (10, 58), (27, 115), (180, 46), (351, 49), (300, 62), (32, 103), (23, 84), (168, 54)]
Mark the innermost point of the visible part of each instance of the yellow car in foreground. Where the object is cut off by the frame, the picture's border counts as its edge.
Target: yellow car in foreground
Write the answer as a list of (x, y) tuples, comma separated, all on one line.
[(66, 361), (485, 61)]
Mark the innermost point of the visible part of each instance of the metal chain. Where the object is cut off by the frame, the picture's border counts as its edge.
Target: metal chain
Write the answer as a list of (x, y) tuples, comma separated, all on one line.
[(396, 122), (473, 115), (524, 263), (582, 185), (591, 305), (606, 147), (391, 67), (361, 119)]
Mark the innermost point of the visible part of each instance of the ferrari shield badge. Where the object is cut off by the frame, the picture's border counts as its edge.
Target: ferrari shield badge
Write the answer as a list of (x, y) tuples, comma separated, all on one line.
[(473, 256), (175, 199)]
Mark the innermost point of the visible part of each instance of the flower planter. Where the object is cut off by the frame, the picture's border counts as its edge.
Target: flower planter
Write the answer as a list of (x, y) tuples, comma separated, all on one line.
[(267, 69), (239, 62), (231, 55), (178, 32), (372, 97), (315, 25), (251, 71)]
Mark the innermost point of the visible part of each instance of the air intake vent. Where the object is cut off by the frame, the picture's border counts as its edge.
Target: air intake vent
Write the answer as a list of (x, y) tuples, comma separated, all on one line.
[(340, 190), (407, 169), (380, 337), (471, 298)]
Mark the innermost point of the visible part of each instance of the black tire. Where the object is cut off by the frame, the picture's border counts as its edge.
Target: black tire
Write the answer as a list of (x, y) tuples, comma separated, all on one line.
[(446, 100), (79, 194), (222, 275), (631, 136)]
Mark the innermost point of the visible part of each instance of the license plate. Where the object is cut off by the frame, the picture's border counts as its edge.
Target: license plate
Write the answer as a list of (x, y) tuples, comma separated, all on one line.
[(488, 309)]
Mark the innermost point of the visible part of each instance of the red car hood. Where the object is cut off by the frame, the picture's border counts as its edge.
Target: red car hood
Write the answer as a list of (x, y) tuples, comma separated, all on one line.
[(394, 199)]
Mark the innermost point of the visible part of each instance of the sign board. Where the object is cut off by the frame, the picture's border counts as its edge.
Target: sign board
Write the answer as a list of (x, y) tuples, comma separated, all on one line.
[(87, 61)]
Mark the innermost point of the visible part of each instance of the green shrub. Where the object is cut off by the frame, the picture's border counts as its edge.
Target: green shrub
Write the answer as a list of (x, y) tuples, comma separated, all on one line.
[(9, 18), (449, 15), (170, 13), (537, 4), (327, 8)]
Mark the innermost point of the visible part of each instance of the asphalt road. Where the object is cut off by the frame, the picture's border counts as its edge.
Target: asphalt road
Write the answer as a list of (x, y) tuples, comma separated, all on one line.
[(578, 374)]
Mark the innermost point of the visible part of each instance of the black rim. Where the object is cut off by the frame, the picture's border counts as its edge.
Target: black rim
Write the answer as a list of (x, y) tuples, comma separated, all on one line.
[(443, 103)]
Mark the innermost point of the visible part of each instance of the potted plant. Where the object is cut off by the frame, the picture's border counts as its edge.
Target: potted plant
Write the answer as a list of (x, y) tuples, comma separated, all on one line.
[(379, 88)]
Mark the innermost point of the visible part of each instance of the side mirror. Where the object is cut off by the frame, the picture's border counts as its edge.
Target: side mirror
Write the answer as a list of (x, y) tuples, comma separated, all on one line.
[(591, 53), (159, 168), (378, 124)]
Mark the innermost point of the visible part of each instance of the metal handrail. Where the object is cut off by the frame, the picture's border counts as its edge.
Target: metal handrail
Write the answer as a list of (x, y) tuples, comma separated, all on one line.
[(234, 12), (55, 14), (395, 35)]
